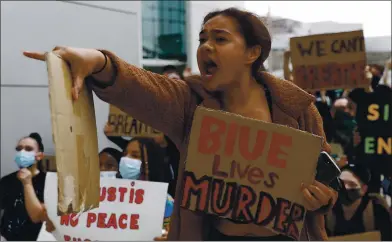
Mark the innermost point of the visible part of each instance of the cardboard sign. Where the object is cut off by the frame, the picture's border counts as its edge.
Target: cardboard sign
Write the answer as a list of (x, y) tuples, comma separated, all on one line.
[(75, 140), (249, 171), (368, 236), (329, 61), (126, 125), (128, 211)]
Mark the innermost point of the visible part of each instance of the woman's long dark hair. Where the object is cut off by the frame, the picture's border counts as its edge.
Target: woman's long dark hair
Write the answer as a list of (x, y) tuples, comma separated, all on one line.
[(158, 169)]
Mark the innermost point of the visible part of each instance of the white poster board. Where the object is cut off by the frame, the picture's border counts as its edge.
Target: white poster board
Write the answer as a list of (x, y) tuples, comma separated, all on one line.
[(128, 211)]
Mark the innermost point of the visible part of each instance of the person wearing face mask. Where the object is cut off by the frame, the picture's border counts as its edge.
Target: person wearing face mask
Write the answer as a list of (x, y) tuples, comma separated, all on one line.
[(356, 210), (22, 193), (109, 159), (144, 160)]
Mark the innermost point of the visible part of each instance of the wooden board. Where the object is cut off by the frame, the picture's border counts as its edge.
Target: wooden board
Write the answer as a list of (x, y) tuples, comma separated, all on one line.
[(75, 140)]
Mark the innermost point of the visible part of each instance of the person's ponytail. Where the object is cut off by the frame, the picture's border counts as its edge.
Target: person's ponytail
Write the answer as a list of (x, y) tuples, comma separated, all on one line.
[(38, 139)]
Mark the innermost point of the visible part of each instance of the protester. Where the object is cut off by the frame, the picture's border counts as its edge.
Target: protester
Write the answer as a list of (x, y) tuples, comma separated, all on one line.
[(357, 211), (171, 153), (171, 72), (344, 126), (22, 192), (233, 47), (109, 159), (144, 160)]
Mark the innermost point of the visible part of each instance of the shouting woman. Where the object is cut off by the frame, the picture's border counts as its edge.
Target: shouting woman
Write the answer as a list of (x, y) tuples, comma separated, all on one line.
[(233, 47)]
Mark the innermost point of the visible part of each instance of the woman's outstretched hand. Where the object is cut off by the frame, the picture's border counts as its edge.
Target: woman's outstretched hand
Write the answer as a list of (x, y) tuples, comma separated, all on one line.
[(318, 195), (82, 62)]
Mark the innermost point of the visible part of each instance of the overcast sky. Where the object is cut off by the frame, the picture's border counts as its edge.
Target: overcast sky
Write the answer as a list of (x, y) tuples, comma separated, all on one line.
[(375, 16)]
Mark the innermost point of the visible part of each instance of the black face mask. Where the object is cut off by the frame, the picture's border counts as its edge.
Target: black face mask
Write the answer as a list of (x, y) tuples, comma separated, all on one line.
[(349, 196), (375, 81)]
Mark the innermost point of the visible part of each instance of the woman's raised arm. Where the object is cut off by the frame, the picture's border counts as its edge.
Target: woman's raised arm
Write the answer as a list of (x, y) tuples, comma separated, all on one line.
[(151, 98)]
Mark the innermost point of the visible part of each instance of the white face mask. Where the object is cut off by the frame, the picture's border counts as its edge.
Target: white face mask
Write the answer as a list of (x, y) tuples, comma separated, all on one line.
[(108, 174), (130, 168)]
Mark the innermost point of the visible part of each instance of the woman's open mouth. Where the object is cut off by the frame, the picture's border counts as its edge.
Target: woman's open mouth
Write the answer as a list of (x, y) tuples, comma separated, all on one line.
[(210, 68)]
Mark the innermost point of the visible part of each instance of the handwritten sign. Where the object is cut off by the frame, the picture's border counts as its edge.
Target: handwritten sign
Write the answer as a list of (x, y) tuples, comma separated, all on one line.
[(128, 210), (380, 145), (249, 171), (126, 125), (329, 61)]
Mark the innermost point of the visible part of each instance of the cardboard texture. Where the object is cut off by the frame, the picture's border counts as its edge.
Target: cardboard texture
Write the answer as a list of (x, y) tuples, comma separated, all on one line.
[(75, 141), (329, 61), (368, 236), (126, 125), (248, 170)]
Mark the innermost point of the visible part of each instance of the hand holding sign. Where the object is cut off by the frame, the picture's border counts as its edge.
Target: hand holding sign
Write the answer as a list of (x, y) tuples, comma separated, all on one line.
[(318, 195), (82, 62)]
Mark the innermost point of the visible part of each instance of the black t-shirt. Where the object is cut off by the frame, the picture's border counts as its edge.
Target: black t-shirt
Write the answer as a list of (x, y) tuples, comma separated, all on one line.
[(355, 225), (16, 223), (374, 119)]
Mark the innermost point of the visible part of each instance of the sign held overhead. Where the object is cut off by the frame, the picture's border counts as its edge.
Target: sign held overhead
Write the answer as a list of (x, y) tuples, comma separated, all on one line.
[(329, 61)]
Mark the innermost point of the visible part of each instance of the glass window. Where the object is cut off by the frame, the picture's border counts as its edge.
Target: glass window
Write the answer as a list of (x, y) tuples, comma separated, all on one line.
[(163, 28)]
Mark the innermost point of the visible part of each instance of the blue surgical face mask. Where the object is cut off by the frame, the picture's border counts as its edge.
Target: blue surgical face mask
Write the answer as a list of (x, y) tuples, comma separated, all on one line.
[(25, 159), (130, 168), (108, 174)]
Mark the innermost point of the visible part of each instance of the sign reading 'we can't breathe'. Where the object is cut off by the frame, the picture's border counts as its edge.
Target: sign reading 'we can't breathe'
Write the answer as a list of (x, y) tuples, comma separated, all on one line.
[(329, 61)]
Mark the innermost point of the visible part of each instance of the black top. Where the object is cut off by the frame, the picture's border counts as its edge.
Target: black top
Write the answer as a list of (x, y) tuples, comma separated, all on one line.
[(355, 225), (16, 223), (373, 122)]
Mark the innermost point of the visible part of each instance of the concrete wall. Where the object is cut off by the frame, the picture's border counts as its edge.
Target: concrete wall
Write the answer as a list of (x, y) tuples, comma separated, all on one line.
[(40, 26), (196, 12)]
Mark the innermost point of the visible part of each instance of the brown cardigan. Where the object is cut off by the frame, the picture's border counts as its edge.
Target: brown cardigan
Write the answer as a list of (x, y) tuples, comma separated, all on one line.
[(169, 106)]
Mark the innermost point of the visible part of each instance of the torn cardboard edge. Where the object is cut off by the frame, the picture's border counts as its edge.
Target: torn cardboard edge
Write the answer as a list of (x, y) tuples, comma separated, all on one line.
[(73, 124)]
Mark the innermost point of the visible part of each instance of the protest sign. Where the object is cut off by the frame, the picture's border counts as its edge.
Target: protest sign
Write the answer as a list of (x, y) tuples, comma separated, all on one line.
[(128, 210), (75, 140), (126, 125), (329, 61), (367, 236), (248, 170)]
